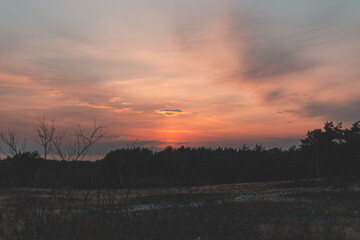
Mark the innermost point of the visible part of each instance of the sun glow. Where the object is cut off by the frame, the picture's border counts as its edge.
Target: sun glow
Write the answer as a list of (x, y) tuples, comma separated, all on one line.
[(203, 72)]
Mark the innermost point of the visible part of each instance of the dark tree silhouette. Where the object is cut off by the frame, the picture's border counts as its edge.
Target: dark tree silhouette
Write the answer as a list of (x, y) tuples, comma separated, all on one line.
[(332, 152)]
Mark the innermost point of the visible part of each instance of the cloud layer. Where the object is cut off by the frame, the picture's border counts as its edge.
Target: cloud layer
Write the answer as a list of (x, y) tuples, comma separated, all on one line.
[(175, 72)]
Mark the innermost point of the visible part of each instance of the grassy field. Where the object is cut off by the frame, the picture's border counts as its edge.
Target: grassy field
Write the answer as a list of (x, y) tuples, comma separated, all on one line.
[(277, 210)]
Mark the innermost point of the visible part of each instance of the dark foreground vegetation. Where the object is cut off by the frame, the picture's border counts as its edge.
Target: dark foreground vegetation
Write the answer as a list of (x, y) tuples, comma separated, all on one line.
[(255, 211), (332, 152)]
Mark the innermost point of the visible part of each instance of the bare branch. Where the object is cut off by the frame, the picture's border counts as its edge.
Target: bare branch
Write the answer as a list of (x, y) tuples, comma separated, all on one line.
[(9, 138), (57, 142), (78, 148), (84, 141), (132, 145), (45, 132)]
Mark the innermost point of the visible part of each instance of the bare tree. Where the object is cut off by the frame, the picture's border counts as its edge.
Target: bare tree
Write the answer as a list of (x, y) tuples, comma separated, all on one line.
[(58, 145), (45, 132), (11, 141), (83, 140), (78, 148), (53, 140)]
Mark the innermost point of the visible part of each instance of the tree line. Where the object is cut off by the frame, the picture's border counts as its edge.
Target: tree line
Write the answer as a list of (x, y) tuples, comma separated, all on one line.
[(331, 152)]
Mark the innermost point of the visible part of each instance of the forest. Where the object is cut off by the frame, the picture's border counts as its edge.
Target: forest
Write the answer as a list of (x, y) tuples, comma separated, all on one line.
[(331, 152)]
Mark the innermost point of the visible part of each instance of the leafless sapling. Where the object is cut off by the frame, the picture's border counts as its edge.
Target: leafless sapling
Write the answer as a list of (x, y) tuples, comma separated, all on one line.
[(83, 140), (45, 132), (10, 139)]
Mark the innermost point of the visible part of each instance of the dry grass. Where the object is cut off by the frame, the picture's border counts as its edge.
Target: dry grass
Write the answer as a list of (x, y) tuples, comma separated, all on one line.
[(271, 211)]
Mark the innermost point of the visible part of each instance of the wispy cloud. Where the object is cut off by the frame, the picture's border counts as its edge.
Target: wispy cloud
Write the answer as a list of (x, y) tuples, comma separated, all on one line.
[(181, 71), (337, 111), (171, 113)]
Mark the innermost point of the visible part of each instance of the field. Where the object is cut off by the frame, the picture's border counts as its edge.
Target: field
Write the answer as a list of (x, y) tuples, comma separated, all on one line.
[(276, 210)]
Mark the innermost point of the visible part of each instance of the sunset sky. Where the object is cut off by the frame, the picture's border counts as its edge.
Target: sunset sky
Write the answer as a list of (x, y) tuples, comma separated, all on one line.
[(181, 72)]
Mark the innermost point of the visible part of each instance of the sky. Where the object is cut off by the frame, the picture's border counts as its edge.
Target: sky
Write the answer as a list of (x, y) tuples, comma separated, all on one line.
[(180, 72)]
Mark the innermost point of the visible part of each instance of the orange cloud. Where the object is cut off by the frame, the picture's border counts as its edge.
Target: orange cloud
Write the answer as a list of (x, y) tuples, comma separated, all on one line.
[(171, 113), (112, 109), (115, 99)]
